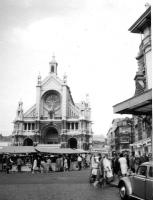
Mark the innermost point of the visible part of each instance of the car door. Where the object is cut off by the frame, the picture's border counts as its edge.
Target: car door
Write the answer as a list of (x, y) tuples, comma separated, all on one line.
[(139, 182), (149, 184)]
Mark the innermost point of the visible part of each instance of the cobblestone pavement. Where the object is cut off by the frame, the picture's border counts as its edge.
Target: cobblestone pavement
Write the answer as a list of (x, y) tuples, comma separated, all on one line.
[(53, 186)]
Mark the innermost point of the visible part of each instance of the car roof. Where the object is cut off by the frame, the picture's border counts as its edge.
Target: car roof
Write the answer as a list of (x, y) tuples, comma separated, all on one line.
[(150, 163)]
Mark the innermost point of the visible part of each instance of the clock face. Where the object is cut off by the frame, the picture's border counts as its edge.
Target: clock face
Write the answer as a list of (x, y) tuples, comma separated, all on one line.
[(52, 101)]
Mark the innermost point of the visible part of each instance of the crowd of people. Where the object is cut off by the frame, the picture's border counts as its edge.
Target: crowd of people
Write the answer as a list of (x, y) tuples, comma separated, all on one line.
[(102, 167), (46, 163), (107, 169)]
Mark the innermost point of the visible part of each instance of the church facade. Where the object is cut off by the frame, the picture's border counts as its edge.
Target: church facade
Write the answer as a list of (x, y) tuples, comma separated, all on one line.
[(54, 118)]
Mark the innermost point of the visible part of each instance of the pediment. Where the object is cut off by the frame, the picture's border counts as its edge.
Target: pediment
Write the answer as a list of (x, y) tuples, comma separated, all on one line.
[(51, 82), (31, 112)]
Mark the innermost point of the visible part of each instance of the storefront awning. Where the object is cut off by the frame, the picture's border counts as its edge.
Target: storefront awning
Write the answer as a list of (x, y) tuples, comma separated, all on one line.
[(18, 149), (137, 105)]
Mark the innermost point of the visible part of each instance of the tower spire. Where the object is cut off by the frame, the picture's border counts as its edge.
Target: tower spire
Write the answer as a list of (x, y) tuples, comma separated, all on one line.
[(53, 65)]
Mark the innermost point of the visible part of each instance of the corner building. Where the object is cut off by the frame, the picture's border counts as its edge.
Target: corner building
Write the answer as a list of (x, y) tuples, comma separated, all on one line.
[(54, 118)]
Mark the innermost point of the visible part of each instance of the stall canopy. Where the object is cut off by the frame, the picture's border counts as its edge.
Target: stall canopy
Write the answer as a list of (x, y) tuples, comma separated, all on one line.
[(59, 150), (18, 149)]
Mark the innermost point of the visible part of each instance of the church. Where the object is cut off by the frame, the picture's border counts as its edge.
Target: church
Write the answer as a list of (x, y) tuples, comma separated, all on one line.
[(55, 119)]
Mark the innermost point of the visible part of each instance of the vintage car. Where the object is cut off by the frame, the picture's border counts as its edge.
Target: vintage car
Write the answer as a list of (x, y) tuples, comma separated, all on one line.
[(138, 185)]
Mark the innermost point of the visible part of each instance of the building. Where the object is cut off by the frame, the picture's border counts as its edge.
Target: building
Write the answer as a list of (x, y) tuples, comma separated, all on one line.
[(140, 105), (120, 135), (123, 135), (111, 135), (54, 118), (99, 144)]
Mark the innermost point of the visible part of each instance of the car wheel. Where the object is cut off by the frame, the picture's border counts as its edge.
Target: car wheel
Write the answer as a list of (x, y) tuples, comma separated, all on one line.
[(123, 192)]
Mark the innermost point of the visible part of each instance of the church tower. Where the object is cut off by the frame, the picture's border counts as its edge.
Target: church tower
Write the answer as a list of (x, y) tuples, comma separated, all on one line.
[(53, 66)]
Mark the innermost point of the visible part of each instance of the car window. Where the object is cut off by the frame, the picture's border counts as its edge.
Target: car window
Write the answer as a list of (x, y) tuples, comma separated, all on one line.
[(151, 172), (142, 170)]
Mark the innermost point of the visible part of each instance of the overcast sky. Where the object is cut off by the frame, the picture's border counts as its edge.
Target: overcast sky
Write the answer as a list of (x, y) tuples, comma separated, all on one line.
[(92, 45)]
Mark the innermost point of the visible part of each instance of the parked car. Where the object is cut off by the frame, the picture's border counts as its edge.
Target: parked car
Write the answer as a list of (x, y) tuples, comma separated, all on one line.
[(138, 185)]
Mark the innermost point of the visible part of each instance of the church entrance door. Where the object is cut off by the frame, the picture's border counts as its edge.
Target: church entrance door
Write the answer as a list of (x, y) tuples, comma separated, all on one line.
[(51, 136), (28, 142), (72, 143)]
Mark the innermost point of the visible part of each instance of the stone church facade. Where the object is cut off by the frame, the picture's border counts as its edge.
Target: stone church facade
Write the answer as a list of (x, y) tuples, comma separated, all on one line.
[(54, 118)]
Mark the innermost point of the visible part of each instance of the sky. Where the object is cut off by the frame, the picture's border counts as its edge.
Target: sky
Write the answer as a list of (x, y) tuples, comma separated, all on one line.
[(92, 45)]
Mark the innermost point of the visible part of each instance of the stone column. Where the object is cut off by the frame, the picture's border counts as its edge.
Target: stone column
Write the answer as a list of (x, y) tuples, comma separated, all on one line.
[(38, 103), (64, 101)]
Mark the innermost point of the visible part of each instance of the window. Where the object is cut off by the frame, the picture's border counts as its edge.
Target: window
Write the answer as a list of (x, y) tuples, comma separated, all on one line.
[(142, 170), (76, 125), (151, 172), (29, 126), (72, 125), (33, 126), (52, 68), (25, 126)]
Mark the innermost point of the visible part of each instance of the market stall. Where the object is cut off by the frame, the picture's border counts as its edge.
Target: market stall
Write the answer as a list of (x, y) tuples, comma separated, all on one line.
[(25, 153), (56, 152)]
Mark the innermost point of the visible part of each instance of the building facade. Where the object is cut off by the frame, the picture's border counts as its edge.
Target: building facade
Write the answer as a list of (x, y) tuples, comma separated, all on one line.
[(123, 135), (120, 135), (140, 105), (54, 118)]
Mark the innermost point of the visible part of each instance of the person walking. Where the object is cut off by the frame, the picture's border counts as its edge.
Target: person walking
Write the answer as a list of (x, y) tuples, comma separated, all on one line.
[(7, 167), (123, 165), (65, 164), (132, 162), (108, 174), (100, 172), (19, 164), (79, 162), (34, 168), (115, 164)]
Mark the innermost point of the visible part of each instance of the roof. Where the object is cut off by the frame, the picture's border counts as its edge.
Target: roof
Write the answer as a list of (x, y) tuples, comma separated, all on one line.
[(137, 105), (31, 149), (59, 150), (143, 21), (18, 149)]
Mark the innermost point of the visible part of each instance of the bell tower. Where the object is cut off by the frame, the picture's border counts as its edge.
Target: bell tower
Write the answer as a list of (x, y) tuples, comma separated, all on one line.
[(53, 66)]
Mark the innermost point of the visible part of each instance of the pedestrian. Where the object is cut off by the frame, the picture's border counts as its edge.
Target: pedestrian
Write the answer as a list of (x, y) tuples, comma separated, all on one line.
[(19, 164), (61, 163), (65, 164), (94, 169), (115, 165), (69, 162), (39, 164), (79, 162), (108, 174), (132, 162), (137, 161), (34, 168), (49, 168), (100, 172), (7, 167), (43, 165), (58, 164), (123, 165)]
